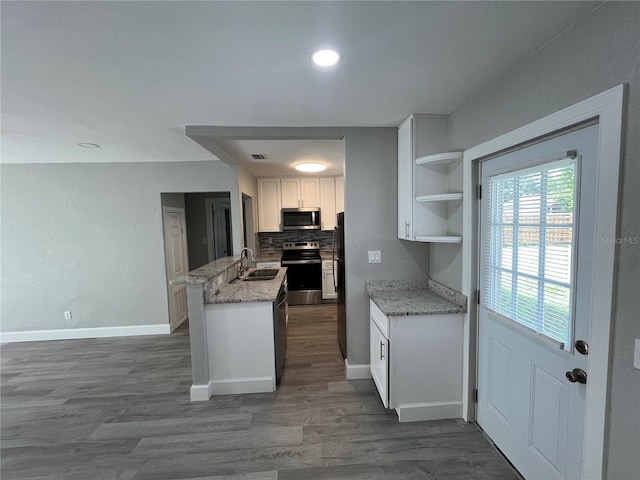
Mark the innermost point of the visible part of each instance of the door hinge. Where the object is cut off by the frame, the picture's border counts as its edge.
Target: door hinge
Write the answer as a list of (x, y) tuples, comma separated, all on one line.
[(479, 192), (181, 231), (475, 395), (478, 297), (572, 153)]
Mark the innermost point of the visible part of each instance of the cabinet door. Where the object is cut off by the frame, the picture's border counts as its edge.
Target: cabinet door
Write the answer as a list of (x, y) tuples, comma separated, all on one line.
[(405, 180), (310, 192), (328, 286), (379, 362), (328, 203), (269, 204), (339, 194), (290, 192)]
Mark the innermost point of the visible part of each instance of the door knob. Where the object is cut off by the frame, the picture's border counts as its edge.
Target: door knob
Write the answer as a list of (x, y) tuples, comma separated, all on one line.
[(582, 347), (577, 375)]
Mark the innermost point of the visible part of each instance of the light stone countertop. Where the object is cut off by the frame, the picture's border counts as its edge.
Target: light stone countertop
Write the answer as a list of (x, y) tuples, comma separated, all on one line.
[(415, 297), (240, 291), (207, 272)]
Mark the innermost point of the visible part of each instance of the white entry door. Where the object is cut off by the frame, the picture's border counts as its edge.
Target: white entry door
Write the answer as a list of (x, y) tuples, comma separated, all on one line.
[(536, 260), (175, 245)]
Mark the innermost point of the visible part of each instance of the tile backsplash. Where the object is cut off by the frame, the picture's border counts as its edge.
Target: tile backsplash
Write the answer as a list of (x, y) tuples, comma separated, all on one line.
[(264, 248)]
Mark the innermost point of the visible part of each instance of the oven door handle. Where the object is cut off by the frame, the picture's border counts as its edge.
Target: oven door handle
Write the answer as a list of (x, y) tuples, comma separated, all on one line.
[(300, 262)]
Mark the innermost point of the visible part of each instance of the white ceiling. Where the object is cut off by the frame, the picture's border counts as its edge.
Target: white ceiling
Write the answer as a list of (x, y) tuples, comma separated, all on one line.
[(283, 155), (130, 75)]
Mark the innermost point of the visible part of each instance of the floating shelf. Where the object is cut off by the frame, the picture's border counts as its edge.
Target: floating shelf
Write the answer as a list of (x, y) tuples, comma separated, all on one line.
[(439, 197), (440, 158), (439, 238)]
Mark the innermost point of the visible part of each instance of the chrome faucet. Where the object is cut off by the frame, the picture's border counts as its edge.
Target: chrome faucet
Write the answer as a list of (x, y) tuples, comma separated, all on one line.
[(243, 267)]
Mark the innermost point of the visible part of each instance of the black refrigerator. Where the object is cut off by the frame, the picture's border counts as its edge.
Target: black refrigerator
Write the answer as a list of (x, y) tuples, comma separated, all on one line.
[(338, 252)]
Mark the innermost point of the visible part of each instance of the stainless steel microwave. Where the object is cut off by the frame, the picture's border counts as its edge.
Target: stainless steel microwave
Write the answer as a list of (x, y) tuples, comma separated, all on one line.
[(301, 219)]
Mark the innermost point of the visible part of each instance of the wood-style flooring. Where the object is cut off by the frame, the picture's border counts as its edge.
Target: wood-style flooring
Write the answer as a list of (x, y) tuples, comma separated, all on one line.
[(118, 408)]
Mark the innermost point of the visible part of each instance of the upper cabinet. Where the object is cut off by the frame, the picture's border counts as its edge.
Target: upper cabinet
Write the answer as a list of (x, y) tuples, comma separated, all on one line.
[(269, 204), (300, 192), (429, 202), (328, 203), (326, 193)]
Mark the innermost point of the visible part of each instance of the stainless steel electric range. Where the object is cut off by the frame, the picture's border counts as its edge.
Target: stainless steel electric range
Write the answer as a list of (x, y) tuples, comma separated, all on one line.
[(304, 274)]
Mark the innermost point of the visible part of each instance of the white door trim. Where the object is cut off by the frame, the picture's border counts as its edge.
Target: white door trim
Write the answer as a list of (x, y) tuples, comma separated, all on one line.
[(608, 108)]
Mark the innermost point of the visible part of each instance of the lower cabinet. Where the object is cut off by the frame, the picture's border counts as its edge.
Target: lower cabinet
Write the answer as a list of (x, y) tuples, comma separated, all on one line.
[(328, 280), (416, 363), (379, 361)]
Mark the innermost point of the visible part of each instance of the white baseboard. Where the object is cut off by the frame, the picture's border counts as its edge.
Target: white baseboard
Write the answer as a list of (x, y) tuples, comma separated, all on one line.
[(357, 371), (76, 333), (199, 393), (242, 385), (415, 412)]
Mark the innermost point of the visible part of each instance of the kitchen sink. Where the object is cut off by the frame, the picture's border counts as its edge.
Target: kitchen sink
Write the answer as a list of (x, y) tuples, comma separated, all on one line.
[(261, 274)]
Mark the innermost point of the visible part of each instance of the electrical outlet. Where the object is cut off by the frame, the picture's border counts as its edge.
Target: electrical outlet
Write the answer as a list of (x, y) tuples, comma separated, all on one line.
[(67, 315), (636, 355), (375, 256)]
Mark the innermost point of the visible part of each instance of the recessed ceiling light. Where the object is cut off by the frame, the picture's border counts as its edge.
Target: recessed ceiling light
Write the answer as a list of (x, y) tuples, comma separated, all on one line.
[(325, 57), (311, 167), (88, 145)]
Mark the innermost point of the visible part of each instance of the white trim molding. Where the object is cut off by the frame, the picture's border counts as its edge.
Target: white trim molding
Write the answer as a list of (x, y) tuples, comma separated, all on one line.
[(415, 412), (607, 108), (78, 333), (358, 371)]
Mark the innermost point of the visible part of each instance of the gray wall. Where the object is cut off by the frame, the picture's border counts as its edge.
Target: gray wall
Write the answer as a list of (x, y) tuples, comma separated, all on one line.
[(597, 54), (371, 218), (88, 238)]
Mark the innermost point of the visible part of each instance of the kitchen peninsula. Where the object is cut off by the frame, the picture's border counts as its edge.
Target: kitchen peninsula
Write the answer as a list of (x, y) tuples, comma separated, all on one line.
[(237, 328)]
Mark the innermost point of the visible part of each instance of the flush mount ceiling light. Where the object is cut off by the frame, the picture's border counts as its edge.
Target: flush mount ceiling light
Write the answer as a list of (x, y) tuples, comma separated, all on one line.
[(325, 57), (311, 167), (88, 145)]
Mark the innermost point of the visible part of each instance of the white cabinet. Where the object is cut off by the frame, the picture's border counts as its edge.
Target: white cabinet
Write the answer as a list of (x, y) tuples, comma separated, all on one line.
[(339, 194), (300, 192), (405, 180), (274, 194), (328, 203), (416, 363), (328, 282), (269, 205), (379, 361), (429, 204)]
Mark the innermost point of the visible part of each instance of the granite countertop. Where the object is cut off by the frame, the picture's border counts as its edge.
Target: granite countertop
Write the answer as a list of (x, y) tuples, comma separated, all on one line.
[(415, 297), (207, 272), (239, 291), (268, 258)]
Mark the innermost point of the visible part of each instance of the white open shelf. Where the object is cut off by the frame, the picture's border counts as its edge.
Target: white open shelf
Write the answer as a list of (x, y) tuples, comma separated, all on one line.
[(440, 158), (439, 238), (439, 197)]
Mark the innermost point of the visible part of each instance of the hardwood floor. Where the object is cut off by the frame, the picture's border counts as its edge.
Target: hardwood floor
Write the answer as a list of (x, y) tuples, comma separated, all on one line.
[(106, 409)]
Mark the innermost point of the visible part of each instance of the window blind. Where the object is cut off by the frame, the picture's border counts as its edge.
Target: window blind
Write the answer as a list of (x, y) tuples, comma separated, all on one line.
[(530, 247)]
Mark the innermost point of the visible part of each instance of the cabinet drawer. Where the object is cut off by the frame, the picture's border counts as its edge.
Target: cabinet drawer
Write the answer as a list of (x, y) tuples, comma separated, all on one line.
[(380, 319)]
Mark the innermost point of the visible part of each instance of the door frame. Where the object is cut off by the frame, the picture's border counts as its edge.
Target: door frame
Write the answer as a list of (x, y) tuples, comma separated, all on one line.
[(165, 210), (607, 107)]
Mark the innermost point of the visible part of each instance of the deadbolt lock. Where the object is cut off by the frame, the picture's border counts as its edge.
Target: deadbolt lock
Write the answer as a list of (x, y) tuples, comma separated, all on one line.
[(582, 347), (577, 375)]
